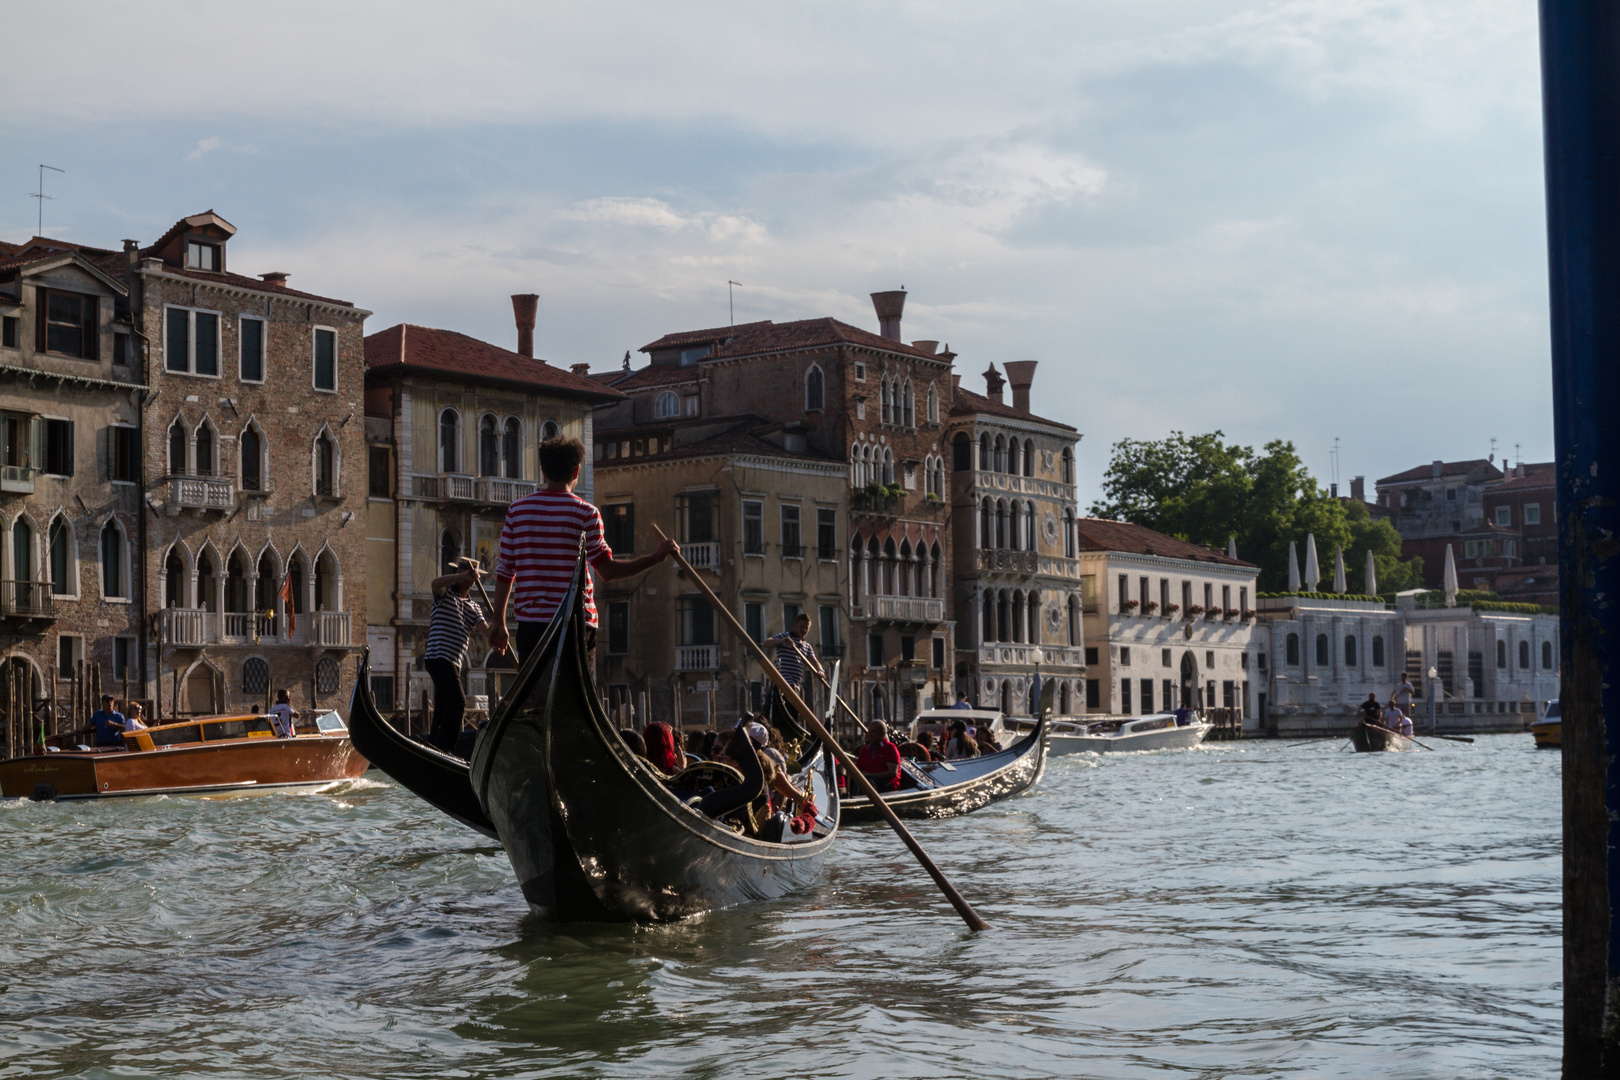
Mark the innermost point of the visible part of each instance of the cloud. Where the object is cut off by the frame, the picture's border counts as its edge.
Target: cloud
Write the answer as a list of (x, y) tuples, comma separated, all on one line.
[(204, 146)]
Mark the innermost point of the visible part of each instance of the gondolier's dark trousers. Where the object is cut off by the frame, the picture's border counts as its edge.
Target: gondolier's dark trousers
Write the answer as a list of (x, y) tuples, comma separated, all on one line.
[(529, 634), (449, 703)]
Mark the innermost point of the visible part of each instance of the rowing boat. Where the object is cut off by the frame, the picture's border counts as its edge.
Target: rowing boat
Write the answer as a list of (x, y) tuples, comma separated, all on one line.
[(1371, 738), (942, 789), (592, 830)]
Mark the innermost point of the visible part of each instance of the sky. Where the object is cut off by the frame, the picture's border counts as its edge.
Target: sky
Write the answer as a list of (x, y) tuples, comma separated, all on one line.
[(1299, 220)]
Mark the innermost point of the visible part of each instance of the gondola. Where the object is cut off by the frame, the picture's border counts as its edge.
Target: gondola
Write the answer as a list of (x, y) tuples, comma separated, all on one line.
[(591, 829), (1370, 738), (439, 778), (942, 789)]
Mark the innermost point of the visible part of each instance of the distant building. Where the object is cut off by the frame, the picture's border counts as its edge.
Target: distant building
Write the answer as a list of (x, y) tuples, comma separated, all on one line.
[(1166, 622), (452, 429), (1017, 568)]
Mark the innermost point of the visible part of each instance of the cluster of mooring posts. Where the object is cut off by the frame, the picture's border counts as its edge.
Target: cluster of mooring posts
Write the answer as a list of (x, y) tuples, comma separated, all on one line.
[(1580, 72)]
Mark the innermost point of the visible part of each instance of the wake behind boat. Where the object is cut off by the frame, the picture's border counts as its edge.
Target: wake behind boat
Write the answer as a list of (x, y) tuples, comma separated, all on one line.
[(594, 832)]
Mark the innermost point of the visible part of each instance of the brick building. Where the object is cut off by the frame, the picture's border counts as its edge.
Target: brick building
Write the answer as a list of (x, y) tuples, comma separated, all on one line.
[(876, 403), (453, 425), (70, 468), (1017, 569)]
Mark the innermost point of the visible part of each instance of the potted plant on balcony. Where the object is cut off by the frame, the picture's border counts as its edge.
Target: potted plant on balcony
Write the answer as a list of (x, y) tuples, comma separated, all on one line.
[(1127, 607), (1172, 610), (1151, 607), (1195, 610)]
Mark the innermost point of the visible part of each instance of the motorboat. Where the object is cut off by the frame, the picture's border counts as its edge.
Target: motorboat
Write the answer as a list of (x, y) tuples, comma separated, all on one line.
[(1548, 730), (1156, 731), (199, 756)]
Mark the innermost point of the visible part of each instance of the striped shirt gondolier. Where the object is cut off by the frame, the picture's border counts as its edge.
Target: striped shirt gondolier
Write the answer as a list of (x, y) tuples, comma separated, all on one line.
[(539, 544), (454, 618), (791, 656)]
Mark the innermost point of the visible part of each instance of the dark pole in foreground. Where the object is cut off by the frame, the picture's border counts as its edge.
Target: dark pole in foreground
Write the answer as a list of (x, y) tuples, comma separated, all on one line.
[(1580, 79), (813, 722)]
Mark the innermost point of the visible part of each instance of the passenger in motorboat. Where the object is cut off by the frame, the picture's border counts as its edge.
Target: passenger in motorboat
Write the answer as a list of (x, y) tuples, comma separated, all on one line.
[(986, 740), (960, 744), (133, 720), (661, 748), (962, 701), (879, 758), (283, 717), (1184, 716), (110, 724), (920, 749)]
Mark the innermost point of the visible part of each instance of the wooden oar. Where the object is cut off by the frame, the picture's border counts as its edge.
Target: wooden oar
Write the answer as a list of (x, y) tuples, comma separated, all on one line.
[(813, 722), (511, 645), (1451, 738)]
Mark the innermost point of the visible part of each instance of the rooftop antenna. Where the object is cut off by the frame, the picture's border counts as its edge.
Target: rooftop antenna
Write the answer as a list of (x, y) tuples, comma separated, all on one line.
[(1335, 463), (731, 300), (1493, 449), (1517, 456), (41, 196)]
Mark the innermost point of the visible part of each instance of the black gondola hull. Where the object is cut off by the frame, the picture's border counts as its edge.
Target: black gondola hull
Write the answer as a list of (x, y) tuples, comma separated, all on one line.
[(436, 777), (990, 778), (591, 830)]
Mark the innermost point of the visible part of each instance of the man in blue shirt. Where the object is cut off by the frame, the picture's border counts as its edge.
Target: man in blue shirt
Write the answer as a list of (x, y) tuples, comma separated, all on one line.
[(109, 723), (962, 701)]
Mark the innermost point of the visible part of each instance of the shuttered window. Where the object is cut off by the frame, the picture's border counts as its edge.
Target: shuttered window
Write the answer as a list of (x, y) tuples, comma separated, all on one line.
[(67, 324)]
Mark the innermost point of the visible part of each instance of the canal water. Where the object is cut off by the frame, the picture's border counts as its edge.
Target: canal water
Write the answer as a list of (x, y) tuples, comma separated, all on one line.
[(1252, 909)]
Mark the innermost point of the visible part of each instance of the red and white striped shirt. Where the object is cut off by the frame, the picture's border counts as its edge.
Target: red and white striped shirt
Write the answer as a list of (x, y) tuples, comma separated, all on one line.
[(539, 544)]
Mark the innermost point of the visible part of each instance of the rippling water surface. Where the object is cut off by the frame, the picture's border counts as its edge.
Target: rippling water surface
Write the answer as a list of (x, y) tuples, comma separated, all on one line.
[(1252, 909)]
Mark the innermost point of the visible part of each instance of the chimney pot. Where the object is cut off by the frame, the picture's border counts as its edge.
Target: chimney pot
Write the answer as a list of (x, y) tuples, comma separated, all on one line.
[(956, 383), (1439, 469), (1358, 488), (524, 306), (889, 305), (1021, 374), (580, 369), (929, 347), (278, 278), (993, 382)]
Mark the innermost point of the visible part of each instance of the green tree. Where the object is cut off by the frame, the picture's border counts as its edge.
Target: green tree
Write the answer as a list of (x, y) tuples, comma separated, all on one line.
[(1201, 489)]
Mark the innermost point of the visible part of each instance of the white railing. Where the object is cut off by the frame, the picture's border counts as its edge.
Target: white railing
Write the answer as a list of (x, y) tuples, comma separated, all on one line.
[(703, 555), (17, 478), (248, 626), (916, 609), (329, 629), (201, 492), (697, 657), (454, 486), (501, 492), (184, 627)]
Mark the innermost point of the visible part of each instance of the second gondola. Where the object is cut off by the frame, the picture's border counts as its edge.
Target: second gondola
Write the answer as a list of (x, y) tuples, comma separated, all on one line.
[(941, 789)]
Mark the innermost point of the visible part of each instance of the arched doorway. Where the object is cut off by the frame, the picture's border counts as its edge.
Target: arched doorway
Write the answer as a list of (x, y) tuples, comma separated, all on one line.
[(1189, 680)]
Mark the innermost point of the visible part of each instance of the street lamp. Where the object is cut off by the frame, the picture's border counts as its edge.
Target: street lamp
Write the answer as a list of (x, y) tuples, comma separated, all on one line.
[(1036, 656)]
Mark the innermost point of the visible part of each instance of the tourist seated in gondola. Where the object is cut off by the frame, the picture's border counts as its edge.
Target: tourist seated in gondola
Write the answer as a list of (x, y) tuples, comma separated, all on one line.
[(879, 758), (1371, 711), (960, 744), (661, 749), (633, 739)]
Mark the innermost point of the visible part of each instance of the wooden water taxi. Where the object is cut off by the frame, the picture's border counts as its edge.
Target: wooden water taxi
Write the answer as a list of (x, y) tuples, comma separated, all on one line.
[(206, 755)]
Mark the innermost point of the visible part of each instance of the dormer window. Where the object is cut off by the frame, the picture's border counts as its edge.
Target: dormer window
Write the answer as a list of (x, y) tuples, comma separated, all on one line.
[(201, 256), (692, 356)]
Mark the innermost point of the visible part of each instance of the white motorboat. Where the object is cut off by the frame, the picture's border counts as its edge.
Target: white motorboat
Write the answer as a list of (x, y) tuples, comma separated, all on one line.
[(1156, 731)]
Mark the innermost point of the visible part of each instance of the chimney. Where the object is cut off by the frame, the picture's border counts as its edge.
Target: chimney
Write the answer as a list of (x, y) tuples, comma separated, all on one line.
[(929, 347), (1021, 373), (993, 382), (1333, 490), (580, 369), (524, 306), (1358, 488), (889, 305), (956, 384), (1439, 469), (278, 278)]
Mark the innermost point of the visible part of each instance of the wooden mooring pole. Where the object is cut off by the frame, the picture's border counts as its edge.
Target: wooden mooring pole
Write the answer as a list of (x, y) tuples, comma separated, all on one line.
[(1580, 81)]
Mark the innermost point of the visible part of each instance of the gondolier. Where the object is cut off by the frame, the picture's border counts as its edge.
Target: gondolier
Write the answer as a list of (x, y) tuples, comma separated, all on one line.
[(539, 544), (793, 654)]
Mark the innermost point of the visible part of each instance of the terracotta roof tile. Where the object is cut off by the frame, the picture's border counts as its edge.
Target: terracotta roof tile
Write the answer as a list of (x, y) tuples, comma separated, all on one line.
[(966, 403), (1541, 474), (751, 339), (739, 440), (1098, 534), (656, 375), (1447, 468), (422, 348)]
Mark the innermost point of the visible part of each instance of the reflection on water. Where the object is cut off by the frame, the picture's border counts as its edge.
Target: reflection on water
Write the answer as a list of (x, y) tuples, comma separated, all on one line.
[(1245, 910)]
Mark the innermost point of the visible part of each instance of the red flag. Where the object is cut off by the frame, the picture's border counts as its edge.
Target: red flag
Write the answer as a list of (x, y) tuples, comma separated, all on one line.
[(287, 601)]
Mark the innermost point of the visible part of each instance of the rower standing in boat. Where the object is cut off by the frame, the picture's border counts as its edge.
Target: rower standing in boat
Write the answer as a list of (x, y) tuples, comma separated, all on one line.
[(539, 544), (454, 619), (1403, 695), (793, 653)]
